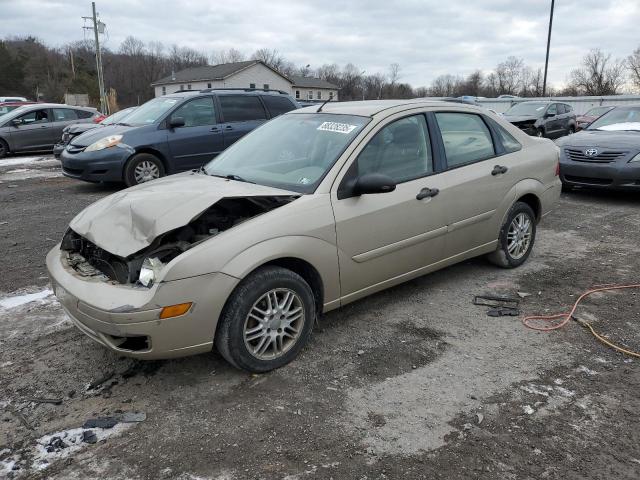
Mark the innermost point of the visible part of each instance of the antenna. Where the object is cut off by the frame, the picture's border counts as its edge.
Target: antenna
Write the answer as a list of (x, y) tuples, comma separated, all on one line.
[(323, 104)]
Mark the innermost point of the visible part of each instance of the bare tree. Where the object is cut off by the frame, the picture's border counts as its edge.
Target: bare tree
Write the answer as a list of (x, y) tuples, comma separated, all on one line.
[(394, 73), (600, 75), (509, 76), (231, 55), (633, 61)]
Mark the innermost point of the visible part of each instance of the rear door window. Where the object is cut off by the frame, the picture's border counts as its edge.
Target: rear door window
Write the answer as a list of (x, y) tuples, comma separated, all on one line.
[(241, 108), (277, 105), (64, 115), (561, 109), (466, 138), (197, 112)]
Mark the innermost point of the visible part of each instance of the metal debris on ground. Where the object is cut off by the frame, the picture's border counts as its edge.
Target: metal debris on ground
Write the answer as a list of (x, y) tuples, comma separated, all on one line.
[(100, 422), (105, 378), (53, 401), (501, 306)]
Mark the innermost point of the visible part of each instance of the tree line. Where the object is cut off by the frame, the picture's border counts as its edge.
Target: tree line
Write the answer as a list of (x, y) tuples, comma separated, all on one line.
[(31, 68)]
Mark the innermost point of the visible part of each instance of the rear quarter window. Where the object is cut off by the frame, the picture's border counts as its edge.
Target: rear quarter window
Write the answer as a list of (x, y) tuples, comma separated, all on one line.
[(241, 108), (84, 114), (278, 105)]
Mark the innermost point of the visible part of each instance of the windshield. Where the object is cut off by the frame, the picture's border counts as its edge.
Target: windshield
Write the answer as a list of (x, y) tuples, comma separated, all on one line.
[(151, 111), (293, 152), (597, 111), (617, 115), (527, 108), (116, 117)]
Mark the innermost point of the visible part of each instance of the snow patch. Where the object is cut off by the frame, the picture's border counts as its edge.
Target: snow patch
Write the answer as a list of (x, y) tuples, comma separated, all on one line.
[(528, 410), (587, 370), (16, 301), (72, 439), (26, 160)]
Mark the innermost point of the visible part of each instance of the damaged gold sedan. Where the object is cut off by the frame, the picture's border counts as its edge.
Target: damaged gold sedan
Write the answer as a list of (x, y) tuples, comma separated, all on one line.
[(313, 210)]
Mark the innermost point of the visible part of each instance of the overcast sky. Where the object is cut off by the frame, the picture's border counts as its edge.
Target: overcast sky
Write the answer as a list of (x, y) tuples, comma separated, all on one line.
[(426, 37)]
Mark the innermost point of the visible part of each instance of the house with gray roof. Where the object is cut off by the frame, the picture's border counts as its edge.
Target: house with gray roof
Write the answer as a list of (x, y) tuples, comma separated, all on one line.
[(250, 74)]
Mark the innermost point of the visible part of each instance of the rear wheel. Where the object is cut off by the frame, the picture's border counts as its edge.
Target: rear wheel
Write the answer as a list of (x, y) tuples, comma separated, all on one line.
[(142, 168), (540, 133), (4, 148), (517, 236), (267, 320)]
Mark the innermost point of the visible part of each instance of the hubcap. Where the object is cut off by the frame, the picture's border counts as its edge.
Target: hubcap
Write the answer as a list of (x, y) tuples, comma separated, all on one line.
[(274, 324), (519, 236), (146, 171)]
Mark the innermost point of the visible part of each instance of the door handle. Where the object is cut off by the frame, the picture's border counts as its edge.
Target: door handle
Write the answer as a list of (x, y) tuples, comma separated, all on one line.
[(426, 193), (215, 129), (228, 127), (498, 169)]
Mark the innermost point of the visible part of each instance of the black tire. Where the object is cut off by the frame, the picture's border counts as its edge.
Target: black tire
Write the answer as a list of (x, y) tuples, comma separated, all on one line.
[(4, 148), (129, 174), (501, 256), (566, 187), (540, 133), (230, 340), (571, 130)]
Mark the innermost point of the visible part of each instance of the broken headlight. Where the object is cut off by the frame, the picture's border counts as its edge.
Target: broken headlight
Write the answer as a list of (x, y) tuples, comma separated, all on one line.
[(106, 142), (149, 271)]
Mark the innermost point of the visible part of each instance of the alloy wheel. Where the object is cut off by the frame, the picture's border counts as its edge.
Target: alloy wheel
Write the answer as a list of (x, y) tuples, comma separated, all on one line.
[(274, 324), (519, 236)]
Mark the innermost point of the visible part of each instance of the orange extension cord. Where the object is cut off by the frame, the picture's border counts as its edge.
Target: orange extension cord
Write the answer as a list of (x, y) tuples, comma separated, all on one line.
[(527, 321)]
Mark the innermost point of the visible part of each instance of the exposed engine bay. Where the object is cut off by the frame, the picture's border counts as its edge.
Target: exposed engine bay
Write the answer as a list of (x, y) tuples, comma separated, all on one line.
[(89, 260)]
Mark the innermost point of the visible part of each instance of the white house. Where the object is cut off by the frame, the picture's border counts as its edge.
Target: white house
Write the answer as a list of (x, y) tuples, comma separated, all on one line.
[(250, 74)]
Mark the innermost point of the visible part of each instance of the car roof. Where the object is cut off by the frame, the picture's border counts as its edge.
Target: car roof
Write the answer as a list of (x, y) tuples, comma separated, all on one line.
[(369, 108)]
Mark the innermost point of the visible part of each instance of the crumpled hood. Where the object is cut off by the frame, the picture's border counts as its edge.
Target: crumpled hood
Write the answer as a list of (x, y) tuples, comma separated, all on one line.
[(520, 118), (128, 221), (602, 139)]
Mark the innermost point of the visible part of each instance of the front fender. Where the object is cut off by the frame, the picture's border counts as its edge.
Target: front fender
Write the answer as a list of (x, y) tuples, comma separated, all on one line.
[(322, 255)]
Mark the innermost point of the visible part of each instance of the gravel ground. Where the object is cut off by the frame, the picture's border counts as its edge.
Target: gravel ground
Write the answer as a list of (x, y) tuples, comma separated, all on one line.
[(415, 382)]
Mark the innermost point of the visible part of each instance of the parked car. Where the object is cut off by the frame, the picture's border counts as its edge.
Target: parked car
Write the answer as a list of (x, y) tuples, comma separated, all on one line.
[(75, 129), (582, 121), (606, 154), (542, 119), (169, 134), (38, 126), (13, 99), (508, 96), (313, 210), (6, 107)]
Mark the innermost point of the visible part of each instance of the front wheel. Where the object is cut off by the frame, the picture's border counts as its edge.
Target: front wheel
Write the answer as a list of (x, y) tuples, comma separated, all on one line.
[(517, 236), (142, 168), (540, 133), (267, 320), (571, 130)]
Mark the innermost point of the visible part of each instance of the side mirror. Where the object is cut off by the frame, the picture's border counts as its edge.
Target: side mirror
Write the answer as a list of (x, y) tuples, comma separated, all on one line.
[(549, 115), (16, 122), (373, 183), (176, 122)]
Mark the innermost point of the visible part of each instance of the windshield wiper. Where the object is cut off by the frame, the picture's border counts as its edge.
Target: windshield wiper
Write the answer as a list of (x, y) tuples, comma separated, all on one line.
[(231, 176), (123, 124)]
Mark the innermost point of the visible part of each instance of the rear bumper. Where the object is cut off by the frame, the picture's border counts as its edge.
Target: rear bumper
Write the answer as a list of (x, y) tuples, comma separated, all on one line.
[(101, 166), (125, 318), (614, 176)]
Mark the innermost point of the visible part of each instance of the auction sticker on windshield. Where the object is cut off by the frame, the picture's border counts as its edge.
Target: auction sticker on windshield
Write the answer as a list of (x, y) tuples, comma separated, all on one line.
[(337, 127)]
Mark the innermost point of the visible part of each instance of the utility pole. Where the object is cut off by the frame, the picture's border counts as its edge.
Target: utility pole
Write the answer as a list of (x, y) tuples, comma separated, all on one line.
[(546, 61), (98, 27)]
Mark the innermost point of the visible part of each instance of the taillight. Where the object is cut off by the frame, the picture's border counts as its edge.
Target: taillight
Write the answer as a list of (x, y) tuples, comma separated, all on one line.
[(558, 169)]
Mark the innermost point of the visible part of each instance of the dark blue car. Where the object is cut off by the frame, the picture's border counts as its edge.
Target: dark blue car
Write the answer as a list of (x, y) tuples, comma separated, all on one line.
[(169, 134)]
